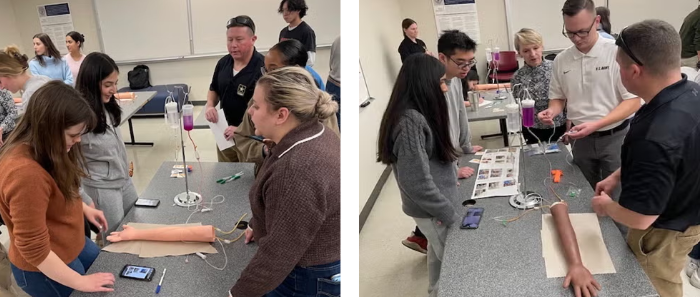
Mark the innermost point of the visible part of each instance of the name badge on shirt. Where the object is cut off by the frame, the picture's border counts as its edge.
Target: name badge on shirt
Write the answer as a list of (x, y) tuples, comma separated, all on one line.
[(241, 90)]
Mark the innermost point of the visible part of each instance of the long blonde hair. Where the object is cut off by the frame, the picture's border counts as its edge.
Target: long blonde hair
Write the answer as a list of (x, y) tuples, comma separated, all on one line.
[(294, 88), (12, 62)]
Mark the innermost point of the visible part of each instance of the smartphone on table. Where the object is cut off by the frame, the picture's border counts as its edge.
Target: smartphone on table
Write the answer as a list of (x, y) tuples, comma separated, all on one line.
[(138, 272), (147, 202), (472, 218)]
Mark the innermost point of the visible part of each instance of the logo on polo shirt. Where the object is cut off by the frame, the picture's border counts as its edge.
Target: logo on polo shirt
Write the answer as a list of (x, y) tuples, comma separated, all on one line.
[(565, 72), (602, 68), (241, 90)]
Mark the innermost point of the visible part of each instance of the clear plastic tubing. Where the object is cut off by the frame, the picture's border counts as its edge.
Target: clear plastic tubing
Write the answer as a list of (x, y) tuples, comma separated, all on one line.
[(171, 114), (513, 118), (188, 117), (528, 112)]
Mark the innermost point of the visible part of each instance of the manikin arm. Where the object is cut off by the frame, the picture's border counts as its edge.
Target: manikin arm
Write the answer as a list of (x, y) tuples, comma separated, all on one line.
[(583, 282), (174, 233)]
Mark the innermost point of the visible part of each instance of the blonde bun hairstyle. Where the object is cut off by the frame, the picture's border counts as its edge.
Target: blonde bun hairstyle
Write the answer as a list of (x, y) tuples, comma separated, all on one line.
[(295, 89)]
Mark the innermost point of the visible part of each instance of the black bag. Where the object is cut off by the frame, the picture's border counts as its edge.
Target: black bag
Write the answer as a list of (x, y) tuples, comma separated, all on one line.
[(139, 78)]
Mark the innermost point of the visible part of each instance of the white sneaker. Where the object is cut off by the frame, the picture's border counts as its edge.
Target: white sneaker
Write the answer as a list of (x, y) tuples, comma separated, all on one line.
[(691, 267), (695, 280)]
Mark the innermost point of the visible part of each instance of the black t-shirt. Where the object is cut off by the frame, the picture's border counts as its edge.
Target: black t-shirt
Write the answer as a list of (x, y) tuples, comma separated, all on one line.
[(660, 158), (235, 91), (303, 33), (408, 47)]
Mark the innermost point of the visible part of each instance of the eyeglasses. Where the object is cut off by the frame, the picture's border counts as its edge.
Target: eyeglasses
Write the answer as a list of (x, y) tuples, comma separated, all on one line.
[(464, 65), (621, 43), (241, 21), (580, 34)]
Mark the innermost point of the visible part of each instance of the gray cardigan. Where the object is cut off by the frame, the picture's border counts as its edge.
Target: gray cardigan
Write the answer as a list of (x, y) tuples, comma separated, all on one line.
[(428, 186), (105, 154)]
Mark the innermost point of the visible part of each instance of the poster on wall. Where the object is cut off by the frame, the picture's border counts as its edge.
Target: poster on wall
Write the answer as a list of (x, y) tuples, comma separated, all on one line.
[(56, 21), (457, 15)]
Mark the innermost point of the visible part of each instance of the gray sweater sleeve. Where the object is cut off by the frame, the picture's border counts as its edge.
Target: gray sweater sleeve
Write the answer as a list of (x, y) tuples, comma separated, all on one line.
[(85, 197), (413, 170), (465, 136)]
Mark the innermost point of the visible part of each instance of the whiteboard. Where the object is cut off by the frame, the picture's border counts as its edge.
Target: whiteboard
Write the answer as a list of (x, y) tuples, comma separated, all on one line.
[(544, 16), (143, 29), (626, 12), (209, 19)]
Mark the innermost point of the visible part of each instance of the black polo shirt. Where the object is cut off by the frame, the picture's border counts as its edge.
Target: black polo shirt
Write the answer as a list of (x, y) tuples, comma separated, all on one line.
[(303, 33), (235, 91), (408, 47), (661, 158)]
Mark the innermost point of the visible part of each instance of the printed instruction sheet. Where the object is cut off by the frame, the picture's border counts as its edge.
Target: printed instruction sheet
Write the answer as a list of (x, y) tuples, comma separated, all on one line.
[(498, 173)]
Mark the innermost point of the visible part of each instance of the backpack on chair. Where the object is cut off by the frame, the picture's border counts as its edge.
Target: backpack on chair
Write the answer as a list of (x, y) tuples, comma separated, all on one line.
[(139, 78)]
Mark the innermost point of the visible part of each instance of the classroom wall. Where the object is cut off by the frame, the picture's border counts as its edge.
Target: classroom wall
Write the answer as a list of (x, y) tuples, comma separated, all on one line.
[(196, 73), (10, 35), (380, 35)]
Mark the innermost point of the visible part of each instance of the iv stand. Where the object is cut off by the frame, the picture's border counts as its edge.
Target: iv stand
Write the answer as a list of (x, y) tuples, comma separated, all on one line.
[(186, 198)]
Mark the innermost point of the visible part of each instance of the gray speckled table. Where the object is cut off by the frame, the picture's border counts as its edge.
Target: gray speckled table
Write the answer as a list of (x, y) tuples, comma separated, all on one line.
[(494, 260), (195, 278), (486, 113)]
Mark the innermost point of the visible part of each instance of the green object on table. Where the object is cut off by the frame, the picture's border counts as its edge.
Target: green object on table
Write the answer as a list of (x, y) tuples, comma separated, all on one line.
[(230, 178)]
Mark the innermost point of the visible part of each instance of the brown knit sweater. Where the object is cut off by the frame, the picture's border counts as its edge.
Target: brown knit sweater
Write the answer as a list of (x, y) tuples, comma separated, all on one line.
[(296, 209), (39, 219)]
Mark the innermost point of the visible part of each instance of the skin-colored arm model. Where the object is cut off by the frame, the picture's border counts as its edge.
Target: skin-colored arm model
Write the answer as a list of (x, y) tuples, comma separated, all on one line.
[(175, 233), (583, 282)]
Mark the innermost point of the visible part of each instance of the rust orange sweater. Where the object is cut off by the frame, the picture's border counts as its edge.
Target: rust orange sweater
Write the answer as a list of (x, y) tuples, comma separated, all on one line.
[(39, 219)]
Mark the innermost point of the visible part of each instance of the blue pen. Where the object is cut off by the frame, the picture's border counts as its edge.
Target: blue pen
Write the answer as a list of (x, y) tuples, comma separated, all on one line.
[(161, 281)]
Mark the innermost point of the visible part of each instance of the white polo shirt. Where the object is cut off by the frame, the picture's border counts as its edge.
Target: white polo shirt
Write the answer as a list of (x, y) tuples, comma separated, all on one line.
[(590, 82)]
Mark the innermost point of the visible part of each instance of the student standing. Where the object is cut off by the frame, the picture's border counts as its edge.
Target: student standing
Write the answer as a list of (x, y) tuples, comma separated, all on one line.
[(284, 54), (456, 53), (14, 76), (333, 82), (43, 150), (74, 43), (414, 138), (535, 76), (411, 44), (293, 11), (660, 156), (234, 80), (48, 60), (604, 27), (296, 196), (108, 184), (586, 81), (690, 36)]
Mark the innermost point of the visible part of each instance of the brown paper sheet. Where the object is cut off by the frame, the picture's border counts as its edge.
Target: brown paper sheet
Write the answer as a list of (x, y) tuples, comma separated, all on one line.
[(152, 249), (594, 253)]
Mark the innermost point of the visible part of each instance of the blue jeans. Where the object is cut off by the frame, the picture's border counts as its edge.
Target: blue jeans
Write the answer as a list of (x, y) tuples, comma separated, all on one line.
[(36, 284), (313, 281), (695, 253), (334, 90)]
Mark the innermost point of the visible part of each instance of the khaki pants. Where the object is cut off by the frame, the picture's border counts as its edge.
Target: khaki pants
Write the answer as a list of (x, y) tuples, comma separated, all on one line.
[(228, 155), (8, 285), (663, 254), (691, 62)]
